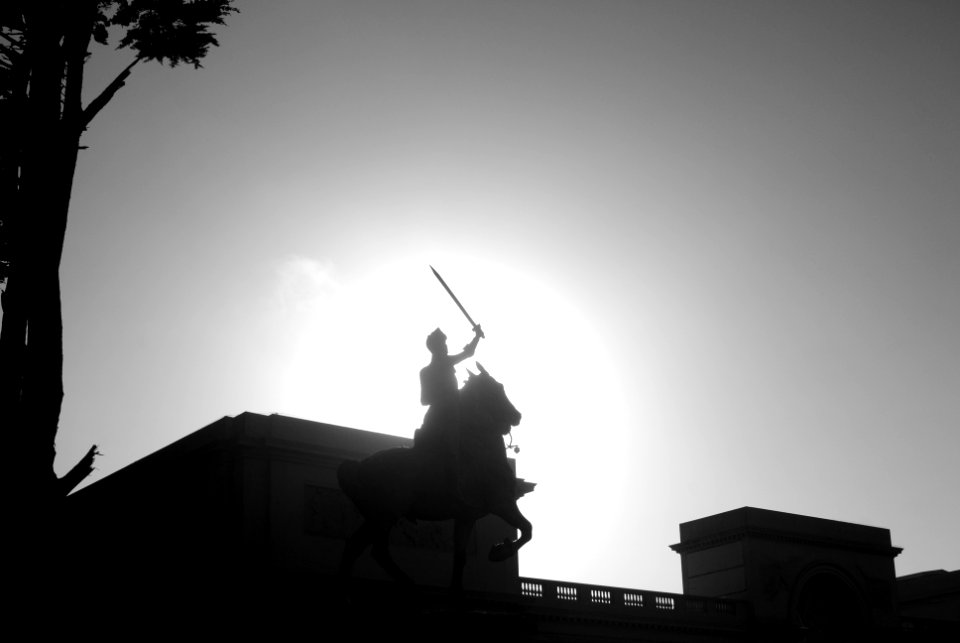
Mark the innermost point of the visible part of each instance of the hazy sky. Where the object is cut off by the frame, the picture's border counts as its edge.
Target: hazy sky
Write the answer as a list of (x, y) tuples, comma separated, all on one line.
[(713, 245)]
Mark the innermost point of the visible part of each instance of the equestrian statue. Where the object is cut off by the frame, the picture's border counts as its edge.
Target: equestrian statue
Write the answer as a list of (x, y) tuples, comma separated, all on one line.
[(457, 469)]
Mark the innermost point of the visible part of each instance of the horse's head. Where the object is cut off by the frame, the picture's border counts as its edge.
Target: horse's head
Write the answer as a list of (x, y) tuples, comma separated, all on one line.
[(485, 397)]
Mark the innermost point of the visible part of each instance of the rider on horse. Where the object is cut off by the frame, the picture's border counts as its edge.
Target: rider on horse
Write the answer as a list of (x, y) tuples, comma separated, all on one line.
[(439, 390), (420, 484)]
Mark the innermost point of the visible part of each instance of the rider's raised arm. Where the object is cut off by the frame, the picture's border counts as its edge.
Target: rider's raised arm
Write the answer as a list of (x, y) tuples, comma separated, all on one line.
[(470, 348)]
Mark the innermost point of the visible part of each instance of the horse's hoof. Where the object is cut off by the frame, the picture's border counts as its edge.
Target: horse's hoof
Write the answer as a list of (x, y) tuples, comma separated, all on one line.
[(503, 551)]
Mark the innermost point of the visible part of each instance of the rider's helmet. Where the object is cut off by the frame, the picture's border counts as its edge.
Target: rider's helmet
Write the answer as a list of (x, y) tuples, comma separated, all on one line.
[(437, 342)]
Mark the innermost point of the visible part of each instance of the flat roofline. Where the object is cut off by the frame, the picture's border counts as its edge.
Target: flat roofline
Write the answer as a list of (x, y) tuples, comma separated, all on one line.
[(744, 522)]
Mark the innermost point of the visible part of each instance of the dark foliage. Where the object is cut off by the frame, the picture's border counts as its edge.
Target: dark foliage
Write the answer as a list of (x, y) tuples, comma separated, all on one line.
[(44, 46), (168, 31)]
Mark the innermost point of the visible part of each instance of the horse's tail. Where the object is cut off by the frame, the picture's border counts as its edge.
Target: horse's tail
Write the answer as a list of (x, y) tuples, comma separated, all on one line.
[(348, 477)]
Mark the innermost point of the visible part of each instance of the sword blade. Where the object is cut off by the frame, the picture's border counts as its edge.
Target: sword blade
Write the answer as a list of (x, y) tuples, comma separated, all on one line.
[(454, 298)]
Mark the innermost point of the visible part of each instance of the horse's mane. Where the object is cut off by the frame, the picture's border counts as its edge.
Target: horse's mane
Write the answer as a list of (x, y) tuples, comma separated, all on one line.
[(485, 411)]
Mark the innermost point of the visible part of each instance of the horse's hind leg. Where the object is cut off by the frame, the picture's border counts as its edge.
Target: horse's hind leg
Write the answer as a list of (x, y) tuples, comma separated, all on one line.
[(511, 514), (381, 554)]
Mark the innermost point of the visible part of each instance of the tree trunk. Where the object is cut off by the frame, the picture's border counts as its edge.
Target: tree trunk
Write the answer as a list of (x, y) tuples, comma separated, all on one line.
[(32, 337)]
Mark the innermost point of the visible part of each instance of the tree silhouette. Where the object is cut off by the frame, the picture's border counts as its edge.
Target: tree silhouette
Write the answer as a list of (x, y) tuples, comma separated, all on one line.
[(44, 46)]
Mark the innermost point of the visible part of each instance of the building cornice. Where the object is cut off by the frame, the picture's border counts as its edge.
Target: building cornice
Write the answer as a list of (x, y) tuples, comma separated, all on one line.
[(782, 536)]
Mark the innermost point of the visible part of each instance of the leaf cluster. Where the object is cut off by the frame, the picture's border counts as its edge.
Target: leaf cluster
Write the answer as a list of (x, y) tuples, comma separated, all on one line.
[(168, 31)]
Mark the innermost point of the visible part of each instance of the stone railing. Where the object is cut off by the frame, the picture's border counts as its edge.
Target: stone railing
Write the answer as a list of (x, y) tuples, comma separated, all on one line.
[(635, 602)]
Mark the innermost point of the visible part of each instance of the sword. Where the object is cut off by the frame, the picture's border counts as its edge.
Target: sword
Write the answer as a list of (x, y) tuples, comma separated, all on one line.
[(456, 301)]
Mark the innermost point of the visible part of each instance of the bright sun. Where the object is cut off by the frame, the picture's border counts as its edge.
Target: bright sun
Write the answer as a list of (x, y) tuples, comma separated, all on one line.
[(357, 346)]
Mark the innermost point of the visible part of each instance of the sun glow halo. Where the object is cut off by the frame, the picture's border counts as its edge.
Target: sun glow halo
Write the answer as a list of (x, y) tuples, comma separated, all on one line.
[(357, 346)]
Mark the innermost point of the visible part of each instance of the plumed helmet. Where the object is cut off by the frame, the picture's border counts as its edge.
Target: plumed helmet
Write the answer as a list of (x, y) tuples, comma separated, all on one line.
[(435, 340)]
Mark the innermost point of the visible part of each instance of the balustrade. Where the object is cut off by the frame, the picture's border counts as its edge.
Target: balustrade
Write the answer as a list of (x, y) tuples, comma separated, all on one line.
[(596, 597)]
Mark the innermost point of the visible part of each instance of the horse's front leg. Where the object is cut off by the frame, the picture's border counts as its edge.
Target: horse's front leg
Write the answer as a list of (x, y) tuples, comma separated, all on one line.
[(462, 528), (511, 514)]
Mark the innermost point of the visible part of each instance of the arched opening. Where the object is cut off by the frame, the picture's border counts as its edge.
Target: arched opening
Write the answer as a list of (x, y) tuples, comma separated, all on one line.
[(828, 607)]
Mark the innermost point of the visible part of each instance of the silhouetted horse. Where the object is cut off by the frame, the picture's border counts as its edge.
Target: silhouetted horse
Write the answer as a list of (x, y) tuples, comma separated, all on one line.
[(412, 483)]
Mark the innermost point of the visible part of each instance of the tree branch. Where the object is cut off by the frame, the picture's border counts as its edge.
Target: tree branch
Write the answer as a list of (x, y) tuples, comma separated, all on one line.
[(79, 471), (101, 101)]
